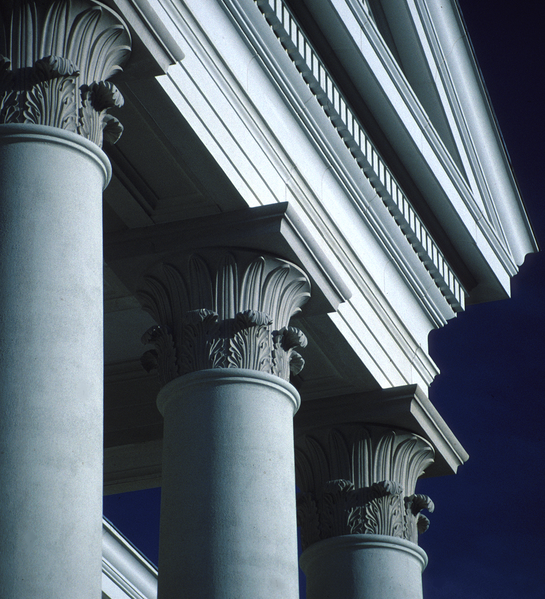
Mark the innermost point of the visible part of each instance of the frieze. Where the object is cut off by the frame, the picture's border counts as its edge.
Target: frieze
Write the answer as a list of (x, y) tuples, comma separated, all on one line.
[(361, 480), (224, 312), (54, 62)]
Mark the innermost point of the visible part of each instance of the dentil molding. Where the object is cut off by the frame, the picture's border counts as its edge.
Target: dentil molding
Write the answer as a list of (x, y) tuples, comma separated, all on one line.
[(361, 480), (224, 309), (55, 59)]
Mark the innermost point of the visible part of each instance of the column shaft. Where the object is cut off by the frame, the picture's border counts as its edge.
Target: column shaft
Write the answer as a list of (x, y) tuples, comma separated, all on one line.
[(364, 567), (224, 351), (228, 526), (51, 367)]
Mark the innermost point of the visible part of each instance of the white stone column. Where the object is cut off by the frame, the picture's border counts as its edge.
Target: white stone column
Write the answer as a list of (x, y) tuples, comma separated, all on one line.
[(359, 515), (52, 173), (365, 566), (224, 349)]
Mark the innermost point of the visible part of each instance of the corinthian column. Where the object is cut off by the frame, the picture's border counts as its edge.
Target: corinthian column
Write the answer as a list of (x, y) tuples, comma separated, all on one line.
[(55, 59), (359, 513), (224, 349)]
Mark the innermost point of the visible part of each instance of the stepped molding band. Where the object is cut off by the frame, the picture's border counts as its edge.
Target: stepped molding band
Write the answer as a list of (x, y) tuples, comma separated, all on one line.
[(348, 126)]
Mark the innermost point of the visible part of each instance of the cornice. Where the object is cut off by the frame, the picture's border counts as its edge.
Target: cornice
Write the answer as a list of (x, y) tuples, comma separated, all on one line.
[(443, 184), (327, 143), (358, 142), (458, 64), (435, 143), (425, 47)]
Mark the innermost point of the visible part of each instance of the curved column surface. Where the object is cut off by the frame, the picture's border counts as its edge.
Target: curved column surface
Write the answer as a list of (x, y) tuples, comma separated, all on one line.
[(364, 566), (228, 526), (51, 367)]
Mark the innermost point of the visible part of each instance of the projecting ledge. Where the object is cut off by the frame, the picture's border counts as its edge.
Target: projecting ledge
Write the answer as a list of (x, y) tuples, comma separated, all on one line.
[(405, 408), (273, 229)]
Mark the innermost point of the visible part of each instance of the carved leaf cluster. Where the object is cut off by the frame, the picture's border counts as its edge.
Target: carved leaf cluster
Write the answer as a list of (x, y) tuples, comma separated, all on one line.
[(233, 320), (340, 509), (56, 58), (337, 469)]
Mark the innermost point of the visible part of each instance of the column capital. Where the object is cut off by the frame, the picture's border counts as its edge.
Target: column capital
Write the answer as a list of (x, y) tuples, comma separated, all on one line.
[(55, 58), (224, 309), (358, 479)]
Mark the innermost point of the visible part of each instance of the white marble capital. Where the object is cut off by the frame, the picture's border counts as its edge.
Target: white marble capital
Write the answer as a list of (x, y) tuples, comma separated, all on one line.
[(360, 479), (55, 58), (358, 511), (224, 309)]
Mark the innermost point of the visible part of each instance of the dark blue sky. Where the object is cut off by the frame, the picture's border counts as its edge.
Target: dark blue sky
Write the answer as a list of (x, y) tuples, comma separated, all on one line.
[(487, 535)]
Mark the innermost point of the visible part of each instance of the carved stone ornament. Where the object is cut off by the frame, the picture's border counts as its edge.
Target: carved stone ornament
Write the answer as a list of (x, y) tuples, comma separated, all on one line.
[(225, 311), (360, 479), (55, 58)]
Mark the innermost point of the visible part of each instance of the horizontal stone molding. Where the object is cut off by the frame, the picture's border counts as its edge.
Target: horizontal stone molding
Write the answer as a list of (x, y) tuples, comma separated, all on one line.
[(43, 134), (358, 542), (226, 377), (370, 566)]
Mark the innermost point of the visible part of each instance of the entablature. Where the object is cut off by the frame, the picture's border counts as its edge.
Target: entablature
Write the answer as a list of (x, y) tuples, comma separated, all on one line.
[(272, 144), (484, 221)]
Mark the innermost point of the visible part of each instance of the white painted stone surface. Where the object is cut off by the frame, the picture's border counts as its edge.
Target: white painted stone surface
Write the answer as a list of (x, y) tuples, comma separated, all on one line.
[(228, 525), (126, 573), (364, 567), (51, 369)]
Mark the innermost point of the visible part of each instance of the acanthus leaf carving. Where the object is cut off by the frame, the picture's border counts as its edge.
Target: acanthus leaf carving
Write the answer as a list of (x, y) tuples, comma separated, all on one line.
[(51, 97), (335, 470), (94, 122), (415, 521), (286, 358), (384, 515), (250, 347), (242, 321), (165, 354), (58, 57)]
